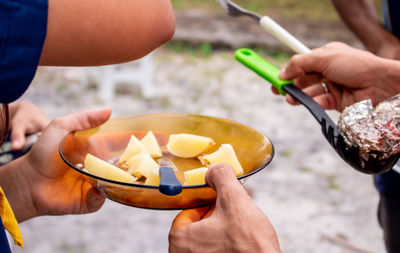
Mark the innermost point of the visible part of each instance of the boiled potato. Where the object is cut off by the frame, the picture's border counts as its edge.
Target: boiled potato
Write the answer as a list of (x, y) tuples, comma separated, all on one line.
[(188, 145), (133, 148), (149, 169), (133, 163), (153, 177), (225, 154), (151, 144), (195, 176), (101, 168)]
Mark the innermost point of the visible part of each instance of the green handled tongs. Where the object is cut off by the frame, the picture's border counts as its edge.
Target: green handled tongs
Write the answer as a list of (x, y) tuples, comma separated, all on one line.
[(349, 154)]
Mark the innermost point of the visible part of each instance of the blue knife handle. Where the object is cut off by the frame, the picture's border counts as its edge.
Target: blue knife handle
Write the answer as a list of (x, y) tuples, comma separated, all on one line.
[(169, 184)]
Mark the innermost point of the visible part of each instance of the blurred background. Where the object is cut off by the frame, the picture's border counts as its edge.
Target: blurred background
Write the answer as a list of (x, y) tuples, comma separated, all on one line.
[(316, 202)]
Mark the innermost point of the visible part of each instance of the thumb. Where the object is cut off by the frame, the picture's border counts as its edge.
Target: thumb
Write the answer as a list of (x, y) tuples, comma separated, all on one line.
[(82, 120), (17, 136), (221, 177)]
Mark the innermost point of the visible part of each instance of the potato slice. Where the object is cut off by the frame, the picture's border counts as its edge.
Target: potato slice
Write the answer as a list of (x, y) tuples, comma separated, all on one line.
[(151, 144), (133, 148), (195, 176), (225, 154), (188, 145), (101, 168), (153, 178), (133, 163), (149, 169)]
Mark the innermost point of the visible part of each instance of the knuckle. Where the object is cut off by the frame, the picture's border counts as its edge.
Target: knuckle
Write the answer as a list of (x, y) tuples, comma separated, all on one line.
[(218, 168), (295, 59), (334, 45), (218, 173)]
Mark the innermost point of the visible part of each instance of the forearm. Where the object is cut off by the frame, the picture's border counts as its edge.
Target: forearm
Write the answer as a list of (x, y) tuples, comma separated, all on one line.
[(389, 78), (81, 32), (16, 189), (361, 17)]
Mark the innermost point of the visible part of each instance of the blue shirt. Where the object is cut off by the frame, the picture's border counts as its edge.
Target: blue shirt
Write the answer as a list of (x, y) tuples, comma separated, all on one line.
[(389, 182), (4, 246), (23, 25), (391, 16)]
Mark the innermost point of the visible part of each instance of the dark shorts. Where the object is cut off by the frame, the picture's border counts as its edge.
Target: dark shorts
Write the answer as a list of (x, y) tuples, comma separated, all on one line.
[(388, 185), (23, 26), (389, 219)]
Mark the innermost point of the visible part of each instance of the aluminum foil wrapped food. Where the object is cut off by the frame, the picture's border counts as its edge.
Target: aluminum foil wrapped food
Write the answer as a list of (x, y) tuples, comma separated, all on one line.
[(373, 130)]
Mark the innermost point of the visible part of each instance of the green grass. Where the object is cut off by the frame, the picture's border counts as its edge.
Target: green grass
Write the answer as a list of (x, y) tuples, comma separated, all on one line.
[(194, 4), (318, 10), (201, 50), (313, 9), (310, 9), (205, 50)]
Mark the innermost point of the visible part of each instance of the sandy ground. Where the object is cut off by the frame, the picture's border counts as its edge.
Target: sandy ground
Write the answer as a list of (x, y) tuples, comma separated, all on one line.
[(316, 202)]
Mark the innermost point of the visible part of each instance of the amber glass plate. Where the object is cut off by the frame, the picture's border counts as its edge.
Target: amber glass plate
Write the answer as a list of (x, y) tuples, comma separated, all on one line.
[(108, 141)]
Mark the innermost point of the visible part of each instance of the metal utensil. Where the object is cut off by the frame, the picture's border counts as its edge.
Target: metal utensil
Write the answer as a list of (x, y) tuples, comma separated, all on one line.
[(373, 165), (267, 23), (270, 26)]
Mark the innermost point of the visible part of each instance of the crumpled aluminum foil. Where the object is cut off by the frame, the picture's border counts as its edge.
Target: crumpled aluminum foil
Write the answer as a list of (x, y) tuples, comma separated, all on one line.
[(372, 130)]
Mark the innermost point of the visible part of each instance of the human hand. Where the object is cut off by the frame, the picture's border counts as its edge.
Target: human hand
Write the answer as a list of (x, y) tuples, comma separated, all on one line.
[(234, 224), (25, 118), (46, 185), (351, 75)]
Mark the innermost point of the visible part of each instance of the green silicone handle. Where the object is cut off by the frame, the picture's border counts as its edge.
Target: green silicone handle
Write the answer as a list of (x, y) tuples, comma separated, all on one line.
[(266, 70)]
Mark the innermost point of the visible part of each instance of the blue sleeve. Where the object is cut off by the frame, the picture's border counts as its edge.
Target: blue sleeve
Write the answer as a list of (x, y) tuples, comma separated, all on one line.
[(23, 26), (392, 14), (4, 246)]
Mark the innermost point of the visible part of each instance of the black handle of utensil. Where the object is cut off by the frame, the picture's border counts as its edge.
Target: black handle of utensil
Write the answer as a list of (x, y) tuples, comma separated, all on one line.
[(316, 110), (169, 184)]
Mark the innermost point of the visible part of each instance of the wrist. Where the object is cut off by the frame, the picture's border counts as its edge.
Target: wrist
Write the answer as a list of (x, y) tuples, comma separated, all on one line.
[(17, 189)]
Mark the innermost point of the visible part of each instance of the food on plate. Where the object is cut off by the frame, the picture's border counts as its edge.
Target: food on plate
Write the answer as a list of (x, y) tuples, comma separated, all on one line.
[(225, 154), (188, 145), (196, 176), (133, 163), (147, 170), (151, 144), (153, 177), (133, 148), (100, 168), (137, 164)]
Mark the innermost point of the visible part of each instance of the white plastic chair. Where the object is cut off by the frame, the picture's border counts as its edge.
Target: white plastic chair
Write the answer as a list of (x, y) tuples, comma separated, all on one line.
[(108, 77)]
